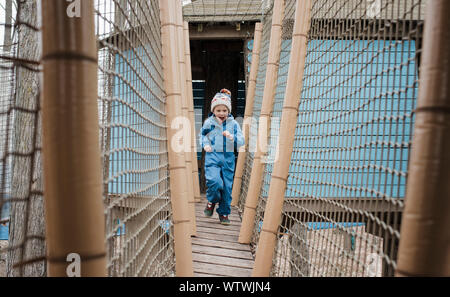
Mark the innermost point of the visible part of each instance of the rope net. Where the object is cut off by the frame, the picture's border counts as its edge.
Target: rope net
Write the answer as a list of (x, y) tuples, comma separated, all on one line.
[(22, 226), (133, 139), (344, 197), (353, 138), (273, 155), (259, 92), (346, 186), (347, 178)]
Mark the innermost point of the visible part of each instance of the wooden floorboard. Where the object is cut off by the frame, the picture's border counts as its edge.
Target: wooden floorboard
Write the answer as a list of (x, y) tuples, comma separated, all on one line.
[(197, 274), (208, 250), (203, 229), (216, 251), (223, 260), (221, 270), (222, 244), (208, 225), (215, 218)]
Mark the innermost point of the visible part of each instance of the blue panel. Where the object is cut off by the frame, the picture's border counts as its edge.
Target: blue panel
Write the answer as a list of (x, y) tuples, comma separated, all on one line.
[(326, 225), (354, 101), (4, 229), (4, 232), (133, 143)]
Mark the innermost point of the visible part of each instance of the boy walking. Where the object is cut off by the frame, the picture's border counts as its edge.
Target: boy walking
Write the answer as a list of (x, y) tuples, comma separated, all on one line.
[(219, 137)]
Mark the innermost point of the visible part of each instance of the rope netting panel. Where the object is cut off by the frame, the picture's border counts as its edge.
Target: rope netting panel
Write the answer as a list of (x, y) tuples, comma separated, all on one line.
[(22, 226), (346, 186), (133, 139), (259, 92), (348, 173), (272, 154)]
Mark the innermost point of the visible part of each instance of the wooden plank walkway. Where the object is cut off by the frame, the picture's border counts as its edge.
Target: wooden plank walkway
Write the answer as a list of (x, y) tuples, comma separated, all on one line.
[(215, 250)]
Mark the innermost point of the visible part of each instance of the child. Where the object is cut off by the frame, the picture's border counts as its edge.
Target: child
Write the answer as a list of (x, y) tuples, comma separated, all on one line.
[(220, 136)]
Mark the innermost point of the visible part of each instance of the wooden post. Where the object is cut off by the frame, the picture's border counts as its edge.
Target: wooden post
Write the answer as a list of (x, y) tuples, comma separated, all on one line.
[(177, 164), (190, 99), (186, 123), (75, 222), (248, 114), (263, 129), (424, 242), (275, 200)]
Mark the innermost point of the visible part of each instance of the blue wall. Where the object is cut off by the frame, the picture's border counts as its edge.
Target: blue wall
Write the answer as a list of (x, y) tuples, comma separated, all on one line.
[(371, 87), (129, 86), (4, 230)]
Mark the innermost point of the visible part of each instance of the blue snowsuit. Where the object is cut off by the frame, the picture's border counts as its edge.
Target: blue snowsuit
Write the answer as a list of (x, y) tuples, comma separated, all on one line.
[(220, 162)]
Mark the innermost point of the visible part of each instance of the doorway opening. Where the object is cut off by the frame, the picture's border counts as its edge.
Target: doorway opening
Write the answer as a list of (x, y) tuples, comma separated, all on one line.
[(217, 64)]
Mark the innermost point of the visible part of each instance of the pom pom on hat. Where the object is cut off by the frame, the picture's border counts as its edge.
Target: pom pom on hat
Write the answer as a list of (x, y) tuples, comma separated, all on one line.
[(226, 92), (222, 98)]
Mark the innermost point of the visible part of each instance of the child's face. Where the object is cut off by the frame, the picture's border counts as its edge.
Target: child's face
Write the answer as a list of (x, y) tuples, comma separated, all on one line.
[(221, 112)]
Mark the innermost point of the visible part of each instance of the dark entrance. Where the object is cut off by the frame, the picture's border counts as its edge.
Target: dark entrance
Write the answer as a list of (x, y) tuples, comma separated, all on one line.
[(217, 64)]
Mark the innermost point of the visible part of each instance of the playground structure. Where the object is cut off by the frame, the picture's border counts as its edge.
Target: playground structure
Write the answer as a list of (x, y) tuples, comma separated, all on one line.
[(345, 167)]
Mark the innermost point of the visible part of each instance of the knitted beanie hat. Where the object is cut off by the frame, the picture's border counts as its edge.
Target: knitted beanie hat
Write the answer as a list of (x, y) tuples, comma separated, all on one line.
[(222, 98)]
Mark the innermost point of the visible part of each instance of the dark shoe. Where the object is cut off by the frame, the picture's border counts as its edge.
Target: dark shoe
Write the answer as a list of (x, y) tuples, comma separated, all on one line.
[(209, 210), (224, 220)]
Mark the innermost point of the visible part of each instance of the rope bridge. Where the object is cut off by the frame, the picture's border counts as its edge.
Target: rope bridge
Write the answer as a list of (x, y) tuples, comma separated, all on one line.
[(345, 135)]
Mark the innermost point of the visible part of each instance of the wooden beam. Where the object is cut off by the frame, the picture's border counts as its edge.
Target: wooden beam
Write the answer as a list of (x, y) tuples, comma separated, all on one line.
[(220, 31)]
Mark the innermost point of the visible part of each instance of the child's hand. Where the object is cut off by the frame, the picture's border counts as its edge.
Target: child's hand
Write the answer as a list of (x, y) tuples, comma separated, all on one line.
[(228, 135), (208, 148)]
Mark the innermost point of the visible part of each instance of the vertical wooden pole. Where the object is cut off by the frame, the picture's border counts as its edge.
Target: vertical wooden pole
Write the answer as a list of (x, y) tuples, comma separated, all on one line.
[(186, 128), (75, 220), (263, 129), (248, 114), (190, 99), (272, 213), (424, 244), (177, 164)]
